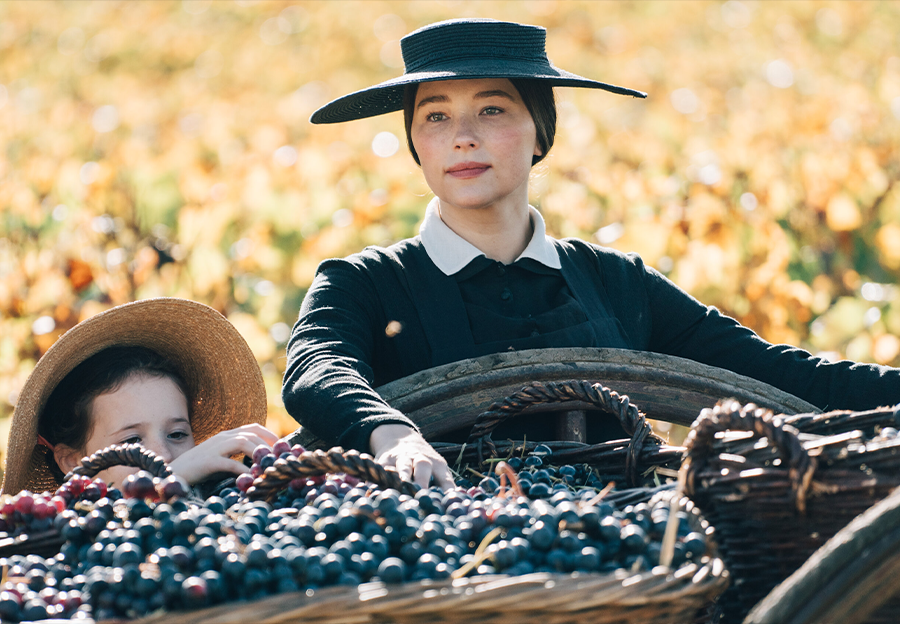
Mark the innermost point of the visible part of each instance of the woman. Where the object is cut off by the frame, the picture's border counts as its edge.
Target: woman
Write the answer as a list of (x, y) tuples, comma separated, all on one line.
[(482, 277), (170, 374)]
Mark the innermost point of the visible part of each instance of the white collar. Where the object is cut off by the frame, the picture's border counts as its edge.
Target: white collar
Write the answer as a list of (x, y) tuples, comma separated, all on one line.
[(451, 253)]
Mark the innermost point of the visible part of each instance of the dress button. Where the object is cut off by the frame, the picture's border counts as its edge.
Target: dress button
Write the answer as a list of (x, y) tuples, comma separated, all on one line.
[(501, 270), (535, 334), (506, 295)]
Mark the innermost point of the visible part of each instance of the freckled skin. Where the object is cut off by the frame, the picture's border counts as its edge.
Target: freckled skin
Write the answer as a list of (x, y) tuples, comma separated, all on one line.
[(481, 122), (149, 410)]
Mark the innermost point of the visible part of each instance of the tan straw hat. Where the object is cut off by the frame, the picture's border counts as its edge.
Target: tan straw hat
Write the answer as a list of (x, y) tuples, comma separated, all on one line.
[(225, 385)]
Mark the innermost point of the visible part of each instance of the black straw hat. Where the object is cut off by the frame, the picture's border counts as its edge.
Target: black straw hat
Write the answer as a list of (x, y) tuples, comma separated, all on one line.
[(456, 49)]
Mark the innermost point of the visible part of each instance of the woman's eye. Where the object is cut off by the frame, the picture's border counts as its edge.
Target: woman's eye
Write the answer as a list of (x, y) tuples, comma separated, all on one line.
[(435, 117), (492, 110)]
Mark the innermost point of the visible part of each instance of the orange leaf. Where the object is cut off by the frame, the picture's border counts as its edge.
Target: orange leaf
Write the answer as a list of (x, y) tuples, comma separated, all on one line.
[(79, 274)]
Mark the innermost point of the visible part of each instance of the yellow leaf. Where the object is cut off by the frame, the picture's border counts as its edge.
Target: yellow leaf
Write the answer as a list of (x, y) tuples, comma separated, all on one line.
[(842, 213), (886, 348), (208, 268), (260, 341), (887, 240)]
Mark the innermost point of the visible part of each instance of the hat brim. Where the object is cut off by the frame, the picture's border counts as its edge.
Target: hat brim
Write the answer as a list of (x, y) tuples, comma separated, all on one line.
[(387, 97), (220, 371)]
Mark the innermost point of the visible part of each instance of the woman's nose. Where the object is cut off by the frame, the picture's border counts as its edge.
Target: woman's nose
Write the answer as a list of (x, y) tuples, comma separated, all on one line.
[(466, 135)]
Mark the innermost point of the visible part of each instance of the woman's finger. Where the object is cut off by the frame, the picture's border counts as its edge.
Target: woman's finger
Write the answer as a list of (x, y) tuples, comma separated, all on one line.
[(404, 467), (442, 476), (422, 472), (387, 460)]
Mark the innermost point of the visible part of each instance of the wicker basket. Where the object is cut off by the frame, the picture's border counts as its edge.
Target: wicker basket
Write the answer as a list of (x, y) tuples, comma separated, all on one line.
[(631, 463), (776, 495), (47, 543), (869, 422), (649, 598), (853, 578), (659, 596)]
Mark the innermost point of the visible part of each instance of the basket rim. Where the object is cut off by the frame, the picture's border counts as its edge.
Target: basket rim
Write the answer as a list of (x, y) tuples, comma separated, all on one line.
[(692, 584)]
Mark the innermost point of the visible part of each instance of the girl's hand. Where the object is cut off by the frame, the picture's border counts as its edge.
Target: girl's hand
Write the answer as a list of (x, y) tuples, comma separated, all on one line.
[(214, 455), (406, 450)]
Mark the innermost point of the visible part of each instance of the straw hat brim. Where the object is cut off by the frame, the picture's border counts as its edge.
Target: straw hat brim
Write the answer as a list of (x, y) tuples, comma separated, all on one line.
[(387, 97), (221, 373)]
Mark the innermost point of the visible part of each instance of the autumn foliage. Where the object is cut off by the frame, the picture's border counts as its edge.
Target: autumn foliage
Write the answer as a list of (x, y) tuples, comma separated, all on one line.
[(163, 148)]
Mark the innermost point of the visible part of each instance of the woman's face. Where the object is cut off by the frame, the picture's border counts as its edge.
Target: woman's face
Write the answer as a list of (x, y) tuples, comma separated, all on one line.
[(475, 140), (145, 409)]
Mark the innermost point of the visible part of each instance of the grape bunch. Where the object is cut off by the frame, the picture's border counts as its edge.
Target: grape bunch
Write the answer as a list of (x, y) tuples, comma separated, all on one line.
[(299, 491), (265, 457), (30, 513), (130, 556), (144, 485), (536, 476)]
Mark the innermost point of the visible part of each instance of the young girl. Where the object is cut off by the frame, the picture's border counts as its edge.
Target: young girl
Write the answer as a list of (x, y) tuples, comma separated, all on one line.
[(170, 374), (483, 277)]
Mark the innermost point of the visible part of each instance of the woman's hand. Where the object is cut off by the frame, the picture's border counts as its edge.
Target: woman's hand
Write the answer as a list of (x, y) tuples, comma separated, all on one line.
[(406, 450), (214, 455)]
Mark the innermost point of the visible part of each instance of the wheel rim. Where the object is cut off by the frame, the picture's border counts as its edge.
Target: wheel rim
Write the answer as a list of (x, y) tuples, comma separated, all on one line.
[(667, 388)]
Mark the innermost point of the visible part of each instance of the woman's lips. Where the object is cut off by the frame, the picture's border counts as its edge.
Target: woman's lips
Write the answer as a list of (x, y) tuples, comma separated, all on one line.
[(468, 170)]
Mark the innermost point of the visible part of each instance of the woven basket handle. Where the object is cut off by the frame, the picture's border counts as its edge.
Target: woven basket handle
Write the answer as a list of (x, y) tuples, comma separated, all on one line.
[(122, 455), (319, 462), (536, 393), (730, 415)]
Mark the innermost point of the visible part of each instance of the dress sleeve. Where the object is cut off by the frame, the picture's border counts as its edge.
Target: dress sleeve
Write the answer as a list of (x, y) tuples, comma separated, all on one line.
[(659, 316), (682, 326), (328, 381)]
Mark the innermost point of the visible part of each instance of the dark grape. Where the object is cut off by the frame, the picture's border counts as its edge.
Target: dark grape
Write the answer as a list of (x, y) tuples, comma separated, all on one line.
[(195, 591)]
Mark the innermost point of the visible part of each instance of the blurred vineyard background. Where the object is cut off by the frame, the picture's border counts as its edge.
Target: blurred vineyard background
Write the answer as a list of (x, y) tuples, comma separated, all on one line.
[(162, 148)]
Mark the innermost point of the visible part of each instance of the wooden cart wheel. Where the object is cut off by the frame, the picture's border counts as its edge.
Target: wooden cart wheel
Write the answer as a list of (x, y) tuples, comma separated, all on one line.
[(854, 577), (450, 397)]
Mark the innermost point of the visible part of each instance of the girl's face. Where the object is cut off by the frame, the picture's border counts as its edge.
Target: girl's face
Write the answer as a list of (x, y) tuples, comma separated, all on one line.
[(148, 410), (475, 140)]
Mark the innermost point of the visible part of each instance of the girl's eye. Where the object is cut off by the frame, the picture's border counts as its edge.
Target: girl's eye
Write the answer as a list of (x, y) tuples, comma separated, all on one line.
[(132, 440), (435, 117), (178, 435)]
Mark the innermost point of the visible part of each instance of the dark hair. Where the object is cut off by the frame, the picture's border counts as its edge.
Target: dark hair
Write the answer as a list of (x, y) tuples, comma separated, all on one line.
[(66, 417), (537, 95)]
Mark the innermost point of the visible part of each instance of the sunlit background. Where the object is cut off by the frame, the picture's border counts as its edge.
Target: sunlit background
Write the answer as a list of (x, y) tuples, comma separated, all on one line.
[(162, 148)]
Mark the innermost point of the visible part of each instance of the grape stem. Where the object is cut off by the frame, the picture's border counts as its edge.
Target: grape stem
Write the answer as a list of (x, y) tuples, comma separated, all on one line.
[(601, 494), (480, 554), (505, 473), (667, 550)]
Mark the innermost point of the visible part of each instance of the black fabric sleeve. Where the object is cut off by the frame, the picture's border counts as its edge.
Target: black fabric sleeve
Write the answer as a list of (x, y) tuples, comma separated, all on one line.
[(658, 316), (682, 326), (328, 382)]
